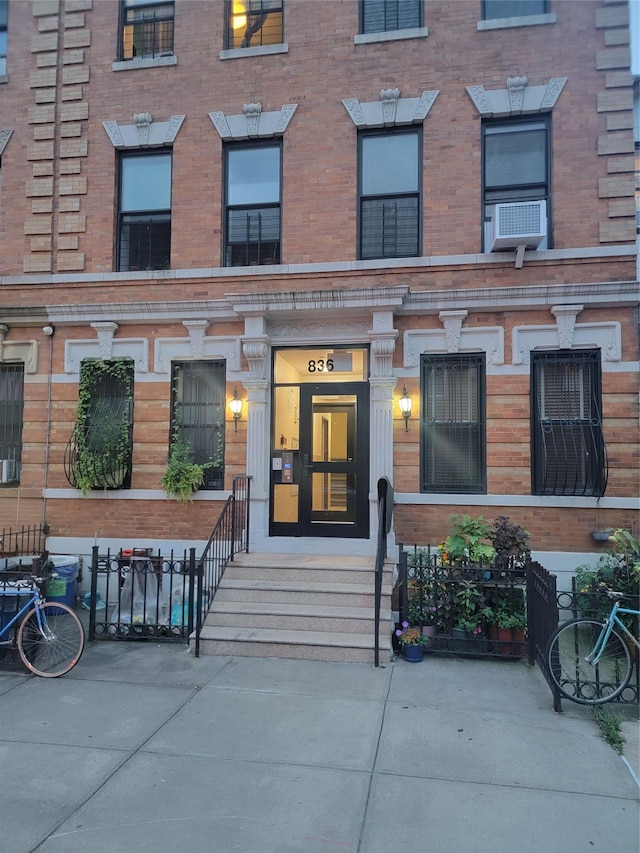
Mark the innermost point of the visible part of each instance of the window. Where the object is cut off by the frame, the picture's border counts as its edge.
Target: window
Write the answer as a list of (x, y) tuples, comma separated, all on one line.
[(11, 403), (513, 8), (145, 212), (379, 16), (198, 414), (147, 29), (253, 205), (390, 194), (254, 23), (453, 423), (516, 162), (4, 16), (568, 449), (99, 452)]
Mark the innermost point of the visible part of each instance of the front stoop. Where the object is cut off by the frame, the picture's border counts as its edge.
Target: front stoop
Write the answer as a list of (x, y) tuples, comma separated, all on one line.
[(299, 606)]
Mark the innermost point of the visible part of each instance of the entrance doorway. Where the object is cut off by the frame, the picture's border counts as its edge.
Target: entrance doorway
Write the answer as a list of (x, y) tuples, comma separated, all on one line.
[(320, 445)]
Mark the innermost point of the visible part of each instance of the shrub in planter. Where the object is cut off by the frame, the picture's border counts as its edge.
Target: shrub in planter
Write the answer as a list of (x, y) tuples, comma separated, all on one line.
[(183, 476), (469, 541), (510, 541)]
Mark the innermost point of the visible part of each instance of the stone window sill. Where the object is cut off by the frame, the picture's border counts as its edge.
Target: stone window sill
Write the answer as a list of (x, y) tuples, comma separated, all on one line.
[(241, 53), (521, 21), (151, 62), (393, 35)]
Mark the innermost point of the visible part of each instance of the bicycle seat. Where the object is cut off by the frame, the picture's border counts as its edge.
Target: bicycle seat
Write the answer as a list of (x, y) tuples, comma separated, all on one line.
[(614, 595)]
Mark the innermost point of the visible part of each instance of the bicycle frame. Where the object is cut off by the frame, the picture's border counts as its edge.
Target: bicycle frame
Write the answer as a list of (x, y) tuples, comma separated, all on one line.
[(611, 620), (34, 599)]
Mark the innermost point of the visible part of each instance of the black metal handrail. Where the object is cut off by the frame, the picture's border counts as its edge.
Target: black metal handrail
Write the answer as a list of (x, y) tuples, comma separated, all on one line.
[(25, 540), (230, 536), (385, 514)]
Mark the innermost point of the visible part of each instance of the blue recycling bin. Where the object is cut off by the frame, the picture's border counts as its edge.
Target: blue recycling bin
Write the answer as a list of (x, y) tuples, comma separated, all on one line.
[(61, 584)]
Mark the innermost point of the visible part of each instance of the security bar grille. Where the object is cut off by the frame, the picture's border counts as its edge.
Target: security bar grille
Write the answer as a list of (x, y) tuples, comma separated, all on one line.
[(11, 404)]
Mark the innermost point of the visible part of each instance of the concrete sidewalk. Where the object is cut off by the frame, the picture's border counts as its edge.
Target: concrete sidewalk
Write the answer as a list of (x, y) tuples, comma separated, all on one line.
[(144, 748)]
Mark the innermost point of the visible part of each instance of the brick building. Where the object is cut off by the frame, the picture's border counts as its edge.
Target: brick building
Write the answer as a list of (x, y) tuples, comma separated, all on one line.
[(319, 206)]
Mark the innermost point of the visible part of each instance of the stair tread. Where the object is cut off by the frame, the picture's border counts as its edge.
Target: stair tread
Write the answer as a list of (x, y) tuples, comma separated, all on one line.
[(296, 586), (293, 609), (303, 561), (287, 636)]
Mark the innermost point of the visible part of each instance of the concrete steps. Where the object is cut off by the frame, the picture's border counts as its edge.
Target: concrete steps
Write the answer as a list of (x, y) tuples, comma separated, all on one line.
[(305, 607)]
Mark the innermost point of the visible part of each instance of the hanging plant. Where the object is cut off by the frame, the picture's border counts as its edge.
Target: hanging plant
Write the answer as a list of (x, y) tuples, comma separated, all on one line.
[(102, 434), (183, 475)]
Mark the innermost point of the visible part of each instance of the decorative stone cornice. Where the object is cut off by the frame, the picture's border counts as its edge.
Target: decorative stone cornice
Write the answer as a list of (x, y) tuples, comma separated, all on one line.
[(105, 332), (144, 132), (518, 98), (253, 123), (197, 329), (391, 110), (452, 322), (566, 320)]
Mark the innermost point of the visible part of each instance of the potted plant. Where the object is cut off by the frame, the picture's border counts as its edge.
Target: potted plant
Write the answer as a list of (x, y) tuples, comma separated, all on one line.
[(510, 541), (413, 642), (507, 622), (469, 612), (183, 476), (469, 541)]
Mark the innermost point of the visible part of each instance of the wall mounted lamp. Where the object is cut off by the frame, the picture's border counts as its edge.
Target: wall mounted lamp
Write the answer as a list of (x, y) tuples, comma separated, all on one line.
[(405, 402), (235, 404)]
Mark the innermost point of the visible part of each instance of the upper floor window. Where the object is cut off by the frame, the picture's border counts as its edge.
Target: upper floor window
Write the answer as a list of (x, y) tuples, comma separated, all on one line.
[(389, 184), (379, 16), (513, 8), (452, 457), (11, 404), (516, 167), (252, 232), (254, 23), (568, 449), (147, 29), (4, 15), (145, 212), (198, 415)]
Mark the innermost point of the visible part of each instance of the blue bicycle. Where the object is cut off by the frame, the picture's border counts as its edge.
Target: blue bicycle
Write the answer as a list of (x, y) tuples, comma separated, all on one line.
[(589, 659), (50, 637)]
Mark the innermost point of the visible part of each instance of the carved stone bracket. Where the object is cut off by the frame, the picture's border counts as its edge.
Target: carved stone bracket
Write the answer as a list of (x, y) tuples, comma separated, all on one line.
[(452, 322), (566, 321), (518, 98), (197, 329), (383, 348), (252, 123), (391, 110), (25, 351), (105, 332), (144, 132), (256, 352)]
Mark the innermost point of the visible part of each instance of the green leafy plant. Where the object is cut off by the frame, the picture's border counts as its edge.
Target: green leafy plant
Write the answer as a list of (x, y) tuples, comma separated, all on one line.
[(469, 541), (102, 434), (469, 607), (508, 611), (410, 636), (609, 725), (183, 476)]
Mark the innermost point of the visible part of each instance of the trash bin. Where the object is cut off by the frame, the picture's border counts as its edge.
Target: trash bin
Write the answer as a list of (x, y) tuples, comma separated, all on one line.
[(61, 584)]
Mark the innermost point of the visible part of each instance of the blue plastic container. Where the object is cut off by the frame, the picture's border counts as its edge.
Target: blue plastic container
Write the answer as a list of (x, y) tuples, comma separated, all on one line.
[(61, 586)]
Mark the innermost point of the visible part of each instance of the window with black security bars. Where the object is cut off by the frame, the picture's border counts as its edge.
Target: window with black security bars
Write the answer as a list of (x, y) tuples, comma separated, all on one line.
[(147, 29), (11, 406), (144, 239), (389, 188), (198, 415), (254, 23), (379, 16), (4, 15), (453, 453), (569, 455)]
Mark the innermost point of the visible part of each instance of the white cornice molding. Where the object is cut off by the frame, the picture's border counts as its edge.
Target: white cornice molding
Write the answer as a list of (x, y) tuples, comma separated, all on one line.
[(488, 339), (144, 132), (607, 337), (391, 110), (167, 350), (136, 349), (252, 123), (518, 98)]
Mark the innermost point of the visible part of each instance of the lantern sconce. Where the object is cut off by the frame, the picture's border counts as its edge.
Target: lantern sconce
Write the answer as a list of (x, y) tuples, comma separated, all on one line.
[(405, 402), (235, 404)]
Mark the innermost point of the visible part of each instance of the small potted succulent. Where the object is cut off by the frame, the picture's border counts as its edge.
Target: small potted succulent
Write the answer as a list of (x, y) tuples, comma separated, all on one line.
[(413, 642)]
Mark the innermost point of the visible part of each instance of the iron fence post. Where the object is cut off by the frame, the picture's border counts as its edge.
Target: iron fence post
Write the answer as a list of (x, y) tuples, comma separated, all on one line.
[(94, 591)]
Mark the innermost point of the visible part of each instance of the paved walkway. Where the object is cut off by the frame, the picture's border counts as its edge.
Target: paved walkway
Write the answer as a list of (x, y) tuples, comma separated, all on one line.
[(144, 748)]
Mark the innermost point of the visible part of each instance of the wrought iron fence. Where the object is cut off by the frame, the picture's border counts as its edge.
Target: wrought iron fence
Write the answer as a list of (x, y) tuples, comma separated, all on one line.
[(542, 618), (473, 610), (137, 594), (28, 539), (19, 569)]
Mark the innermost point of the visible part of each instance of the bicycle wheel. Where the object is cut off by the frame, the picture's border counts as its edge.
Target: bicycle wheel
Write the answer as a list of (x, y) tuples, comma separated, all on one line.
[(54, 648), (576, 678)]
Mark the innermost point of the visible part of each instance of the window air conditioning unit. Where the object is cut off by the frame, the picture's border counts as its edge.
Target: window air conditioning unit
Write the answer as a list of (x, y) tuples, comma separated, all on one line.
[(522, 223)]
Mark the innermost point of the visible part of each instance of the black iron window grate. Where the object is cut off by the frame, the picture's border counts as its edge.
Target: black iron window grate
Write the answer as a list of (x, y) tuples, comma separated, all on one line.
[(253, 236), (145, 242), (389, 227), (11, 406), (198, 414), (453, 423), (568, 447), (147, 30)]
